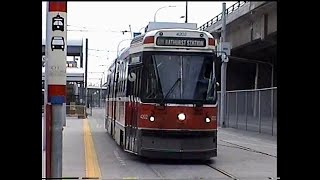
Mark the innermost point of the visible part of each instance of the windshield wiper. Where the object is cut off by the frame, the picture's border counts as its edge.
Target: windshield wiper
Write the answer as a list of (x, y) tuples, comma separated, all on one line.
[(171, 89)]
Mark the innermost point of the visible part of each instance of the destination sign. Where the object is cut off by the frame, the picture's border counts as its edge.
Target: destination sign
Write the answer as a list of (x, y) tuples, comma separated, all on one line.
[(181, 41)]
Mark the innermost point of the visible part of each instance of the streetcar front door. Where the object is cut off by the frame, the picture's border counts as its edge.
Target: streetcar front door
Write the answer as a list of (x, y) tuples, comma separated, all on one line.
[(131, 121)]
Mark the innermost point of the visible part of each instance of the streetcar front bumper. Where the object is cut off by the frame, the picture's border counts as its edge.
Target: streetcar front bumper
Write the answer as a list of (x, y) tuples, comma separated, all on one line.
[(177, 144)]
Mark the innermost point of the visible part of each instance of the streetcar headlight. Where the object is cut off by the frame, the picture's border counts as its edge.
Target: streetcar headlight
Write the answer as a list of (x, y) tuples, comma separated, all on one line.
[(181, 116), (208, 120), (151, 118)]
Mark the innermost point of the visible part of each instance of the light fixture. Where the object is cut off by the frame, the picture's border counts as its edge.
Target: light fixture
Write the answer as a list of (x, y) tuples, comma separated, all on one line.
[(181, 116)]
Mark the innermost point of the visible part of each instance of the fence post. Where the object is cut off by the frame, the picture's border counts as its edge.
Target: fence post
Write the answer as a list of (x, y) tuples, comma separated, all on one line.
[(246, 109), (227, 109), (272, 119), (259, 101), (237, 109), (219, 108)]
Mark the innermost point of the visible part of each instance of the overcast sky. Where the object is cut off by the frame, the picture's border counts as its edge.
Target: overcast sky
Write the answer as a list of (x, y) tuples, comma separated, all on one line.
[(102, 23)]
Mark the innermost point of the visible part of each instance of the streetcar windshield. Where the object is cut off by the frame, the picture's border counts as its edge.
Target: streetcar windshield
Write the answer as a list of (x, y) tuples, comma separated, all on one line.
[(194, 71)]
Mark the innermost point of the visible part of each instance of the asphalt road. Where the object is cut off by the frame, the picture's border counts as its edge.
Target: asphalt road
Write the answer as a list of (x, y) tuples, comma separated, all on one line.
[(242, 155)]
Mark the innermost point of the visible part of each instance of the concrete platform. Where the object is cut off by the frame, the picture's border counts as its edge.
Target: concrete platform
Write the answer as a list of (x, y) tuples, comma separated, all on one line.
[(73, 149)]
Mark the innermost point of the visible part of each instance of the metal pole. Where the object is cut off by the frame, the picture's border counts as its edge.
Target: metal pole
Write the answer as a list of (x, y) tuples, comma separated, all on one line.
[(272, 118), (223, 28), (102, 83), (236, 109), (246, 109), (46, 77), (223, 68), (186, 12), (56, 76), (130, 31), (227, 109), (57, 124), (260, 111), (272, 74), (256, 87), (272, 94), (100, 94), (86, 76)]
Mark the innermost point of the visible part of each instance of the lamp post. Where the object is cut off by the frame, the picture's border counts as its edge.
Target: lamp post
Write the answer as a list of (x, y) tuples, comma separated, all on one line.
[(155, 14)]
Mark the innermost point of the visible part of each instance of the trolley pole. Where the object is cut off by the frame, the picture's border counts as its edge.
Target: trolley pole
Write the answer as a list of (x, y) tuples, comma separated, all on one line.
[(223, 68), (86, 79), (56, 49), (186, 21), (131, 34)]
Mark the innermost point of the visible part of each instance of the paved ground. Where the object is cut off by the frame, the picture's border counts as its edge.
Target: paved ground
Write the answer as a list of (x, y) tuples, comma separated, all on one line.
[(241, 154)]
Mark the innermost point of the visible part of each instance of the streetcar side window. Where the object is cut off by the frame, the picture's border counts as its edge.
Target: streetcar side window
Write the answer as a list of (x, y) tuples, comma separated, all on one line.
[(134, 66), (204, 79), (130, 84), (120, 79), (112, 83), (108, 86), (138, 84), (117, 83), (125, 75), (150, 82)]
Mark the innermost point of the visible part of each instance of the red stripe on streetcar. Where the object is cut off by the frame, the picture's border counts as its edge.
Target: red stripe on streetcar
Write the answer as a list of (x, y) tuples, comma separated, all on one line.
[(58, 6)]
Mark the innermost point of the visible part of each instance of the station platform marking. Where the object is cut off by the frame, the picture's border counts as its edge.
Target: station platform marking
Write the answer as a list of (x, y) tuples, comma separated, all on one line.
[(92, 164), (130, 178)]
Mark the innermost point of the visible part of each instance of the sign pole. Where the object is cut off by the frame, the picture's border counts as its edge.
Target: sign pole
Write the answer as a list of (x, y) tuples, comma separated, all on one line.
[(223, 69), (56, 49)]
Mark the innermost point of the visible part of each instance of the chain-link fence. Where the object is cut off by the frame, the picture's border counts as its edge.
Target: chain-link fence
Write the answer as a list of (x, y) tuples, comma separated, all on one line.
[(94, 102), (76, 104), (252, 110), (73, 110)]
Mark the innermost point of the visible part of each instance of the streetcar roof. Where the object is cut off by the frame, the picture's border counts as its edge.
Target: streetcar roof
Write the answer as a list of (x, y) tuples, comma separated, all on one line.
[(152, 33), (170, 25)]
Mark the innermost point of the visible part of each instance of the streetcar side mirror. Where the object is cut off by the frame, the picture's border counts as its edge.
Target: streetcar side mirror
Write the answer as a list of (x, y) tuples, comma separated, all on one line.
[(132, 76)]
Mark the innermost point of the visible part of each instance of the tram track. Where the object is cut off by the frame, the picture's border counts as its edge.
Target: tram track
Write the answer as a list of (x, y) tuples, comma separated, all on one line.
[(169, 169), (158, 174), (232, 176), (161, 176), (222, 171), (234, 145)]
